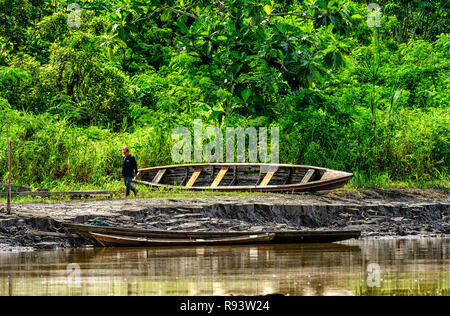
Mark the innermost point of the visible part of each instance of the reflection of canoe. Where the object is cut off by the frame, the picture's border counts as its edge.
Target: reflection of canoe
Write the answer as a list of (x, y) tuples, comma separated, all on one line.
[(243, 177), (280, 237), (125, 241)]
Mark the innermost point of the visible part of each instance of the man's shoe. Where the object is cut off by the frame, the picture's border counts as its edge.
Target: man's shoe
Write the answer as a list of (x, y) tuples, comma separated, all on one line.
[(135, 192)]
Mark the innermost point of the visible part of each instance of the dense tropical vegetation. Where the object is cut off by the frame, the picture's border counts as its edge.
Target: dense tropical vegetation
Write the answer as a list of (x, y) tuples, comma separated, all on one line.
[(351, 87)]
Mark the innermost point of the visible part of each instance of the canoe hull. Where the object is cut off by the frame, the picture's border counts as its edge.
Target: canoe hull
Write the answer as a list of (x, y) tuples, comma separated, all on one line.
[(127, 241), (280, 237), (243, 177)]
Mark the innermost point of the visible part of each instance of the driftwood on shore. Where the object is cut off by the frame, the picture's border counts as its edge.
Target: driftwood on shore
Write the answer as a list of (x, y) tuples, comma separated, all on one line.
[(50, 193), (19, 188)]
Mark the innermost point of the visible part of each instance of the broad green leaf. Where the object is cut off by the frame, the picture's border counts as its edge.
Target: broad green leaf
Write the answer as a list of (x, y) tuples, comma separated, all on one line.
[(237, 100), (197, 11), (246, 94), (182, 27), (121, 43)]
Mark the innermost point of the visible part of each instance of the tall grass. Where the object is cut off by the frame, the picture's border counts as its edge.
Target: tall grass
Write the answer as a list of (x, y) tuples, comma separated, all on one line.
[(50, 153), (412, 150)]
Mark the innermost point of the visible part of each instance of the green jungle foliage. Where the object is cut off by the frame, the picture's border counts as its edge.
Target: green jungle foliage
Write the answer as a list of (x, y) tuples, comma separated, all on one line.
[(345, 93)]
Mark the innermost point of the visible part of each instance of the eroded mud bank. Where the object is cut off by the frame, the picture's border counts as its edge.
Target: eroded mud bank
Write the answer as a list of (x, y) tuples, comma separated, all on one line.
[(376, 214)]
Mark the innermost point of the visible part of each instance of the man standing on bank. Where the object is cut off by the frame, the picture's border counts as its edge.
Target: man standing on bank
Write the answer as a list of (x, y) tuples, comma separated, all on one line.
[(129, 171)]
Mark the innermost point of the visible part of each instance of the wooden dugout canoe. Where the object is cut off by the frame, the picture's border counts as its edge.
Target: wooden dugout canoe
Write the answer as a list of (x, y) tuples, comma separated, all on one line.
[(127, 241), (280, 237), (243, 177)]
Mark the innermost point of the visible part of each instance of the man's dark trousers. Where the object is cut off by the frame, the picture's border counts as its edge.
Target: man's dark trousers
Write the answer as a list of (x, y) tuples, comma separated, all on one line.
[(129, 186)]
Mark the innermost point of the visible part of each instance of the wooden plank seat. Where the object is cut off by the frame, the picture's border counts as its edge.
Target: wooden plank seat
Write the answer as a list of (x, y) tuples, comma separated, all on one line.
[(219, 177), (194, 177), (267, 178), (308, 176), (159, 176)]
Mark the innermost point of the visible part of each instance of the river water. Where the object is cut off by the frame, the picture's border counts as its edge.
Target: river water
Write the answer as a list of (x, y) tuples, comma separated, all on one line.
[(356, 267)]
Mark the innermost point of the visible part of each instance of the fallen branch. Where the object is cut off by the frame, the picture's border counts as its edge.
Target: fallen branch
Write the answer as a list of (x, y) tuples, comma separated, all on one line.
[(15, 186), (183, 13), (304, 14), (49, 193)]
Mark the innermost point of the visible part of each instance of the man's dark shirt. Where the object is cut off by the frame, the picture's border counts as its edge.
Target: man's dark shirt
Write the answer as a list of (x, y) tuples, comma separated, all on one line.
[(129, 165)]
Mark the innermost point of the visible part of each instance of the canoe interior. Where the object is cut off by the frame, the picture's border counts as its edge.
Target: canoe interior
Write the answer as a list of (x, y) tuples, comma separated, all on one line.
[(235, 176)]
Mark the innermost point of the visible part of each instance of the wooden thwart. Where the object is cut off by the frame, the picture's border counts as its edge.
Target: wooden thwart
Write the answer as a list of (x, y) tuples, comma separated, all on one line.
[(219, 177), (308, 176), (159, 175), (194, 177), (267, 178)]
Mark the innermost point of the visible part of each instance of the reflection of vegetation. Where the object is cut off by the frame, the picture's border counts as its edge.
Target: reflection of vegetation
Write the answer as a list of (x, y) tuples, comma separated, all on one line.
[(294, 285), (342, 98), (419, 268), (410, 285)]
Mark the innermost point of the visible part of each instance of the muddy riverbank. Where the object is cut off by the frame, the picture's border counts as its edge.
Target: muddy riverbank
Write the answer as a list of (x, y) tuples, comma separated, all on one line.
[(387, 214)]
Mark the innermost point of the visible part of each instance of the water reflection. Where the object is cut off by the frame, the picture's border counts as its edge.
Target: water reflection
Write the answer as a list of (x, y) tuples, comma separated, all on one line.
[(407, 267)]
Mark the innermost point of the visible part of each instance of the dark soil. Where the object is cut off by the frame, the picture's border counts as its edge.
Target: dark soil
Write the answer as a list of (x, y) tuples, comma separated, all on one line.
[(378, 214)]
